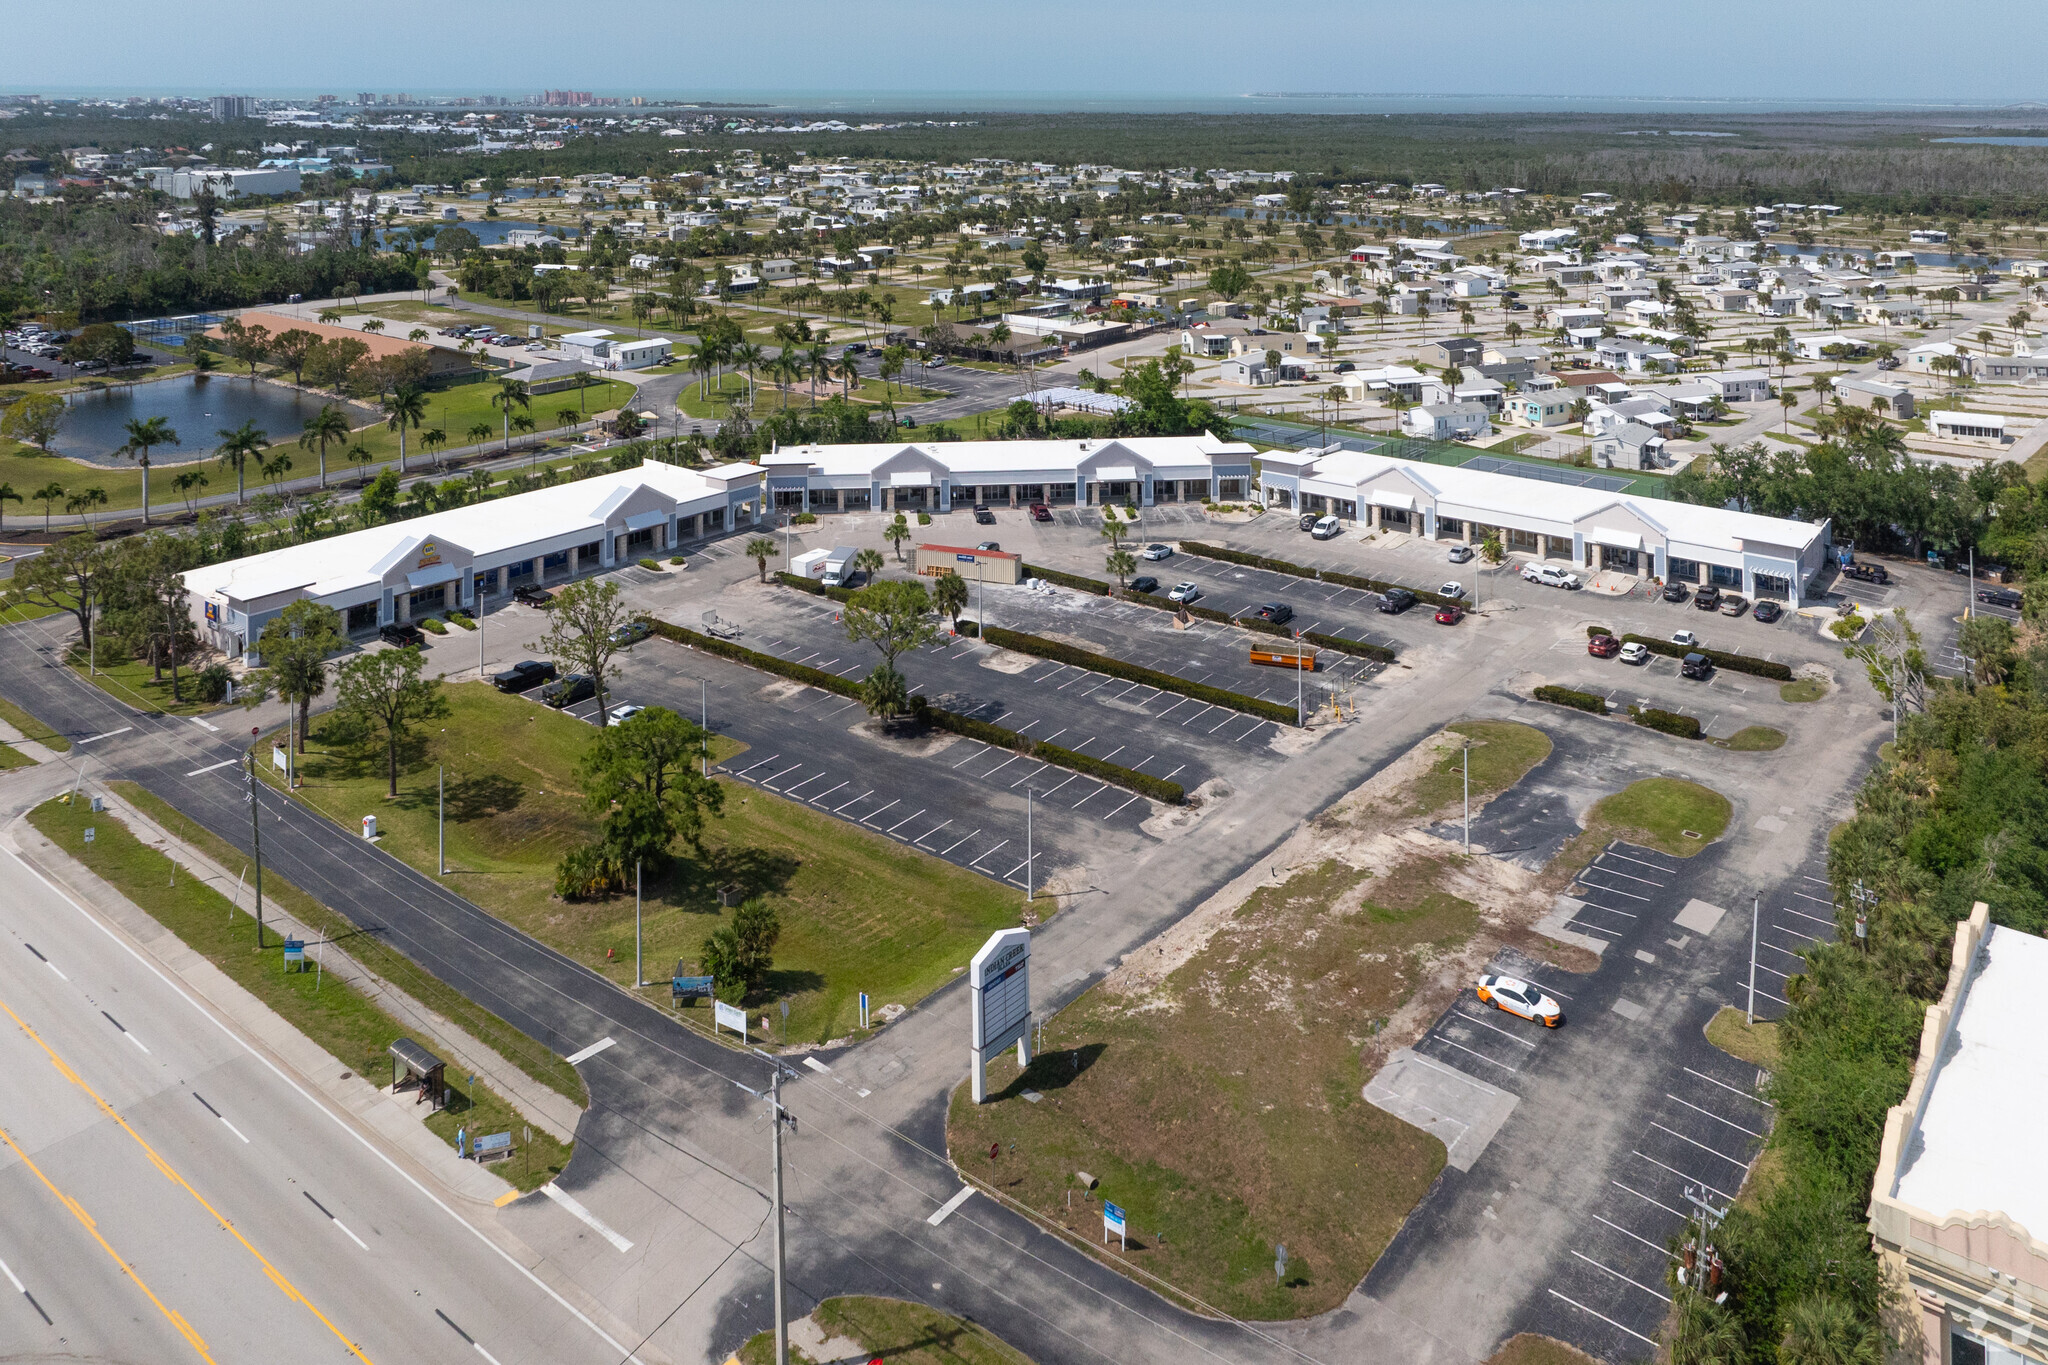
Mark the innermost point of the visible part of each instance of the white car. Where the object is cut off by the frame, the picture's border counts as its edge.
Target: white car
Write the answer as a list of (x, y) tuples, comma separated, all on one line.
[(1686, 638), (1633, 653), (1184, 592), (1456, 590), (1549, 575), (621, 714), (1514, 996), (1157, 552), (1327, 528)]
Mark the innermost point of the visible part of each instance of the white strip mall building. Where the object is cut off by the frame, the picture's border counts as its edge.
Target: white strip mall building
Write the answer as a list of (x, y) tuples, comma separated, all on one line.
[(1589, 528), (462, 557)]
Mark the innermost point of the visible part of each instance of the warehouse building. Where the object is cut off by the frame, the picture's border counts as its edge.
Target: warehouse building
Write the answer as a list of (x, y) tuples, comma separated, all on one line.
[(1589, 528), (463, 557), (1139, 471)]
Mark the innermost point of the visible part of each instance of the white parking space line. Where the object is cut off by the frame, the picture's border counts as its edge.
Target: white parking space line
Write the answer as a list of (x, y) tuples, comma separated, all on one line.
[(956, 843), (1596, 905), (1786, 909), (987, 852), (1112, 814), (856, 801), (920, 840), (870, 820), (1733, 1090), (905, 820), (769, 782), (1630, 876), (1647, 1341), (576, 1058), (1460, 1014), (1626, 1233), (1091, 796), (1680, 1174), (1712, 1115), (109, 734), (1062, 784), (1646, 1199), (1733, 1161), (575, 1206), (1639, 862), (1623, 1278), (807, 782), (1611, 890), (820, 797), (762, 764), (979, 752), (1782, 929), (1462, 1048)]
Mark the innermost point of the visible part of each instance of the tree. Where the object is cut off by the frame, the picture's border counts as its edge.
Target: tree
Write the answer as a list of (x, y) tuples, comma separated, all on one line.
[(884, 693), (760, 549), (949, 595), (583, 626), (384, 691), (740, 955), (1822, 1330), (144, 603), (1121, 564), (83, 501), (46, 495), (246, 343), (237, 448), (651, 755), (328, 424), (34, 419), (407, 407), (292, 348), (893, 617), (7, 495), (101, 341), (896, 532), (1230, 279), (380, 499), (1491, 550), (433, 438), (65, 577), (511, 394), (867, 563), (144, 435), (1114, 527), (1705, 1334), (188, 483)]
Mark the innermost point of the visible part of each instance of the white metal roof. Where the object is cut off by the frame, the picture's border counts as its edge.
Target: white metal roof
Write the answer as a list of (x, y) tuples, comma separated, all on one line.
[(1977, 1145), (996, 457)]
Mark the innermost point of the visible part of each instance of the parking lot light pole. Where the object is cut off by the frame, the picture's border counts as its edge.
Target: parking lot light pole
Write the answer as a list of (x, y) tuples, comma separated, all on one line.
[(441, 821), (1028, 879), (639, 977), (704, 720), (1468, 796), (1755, 913)]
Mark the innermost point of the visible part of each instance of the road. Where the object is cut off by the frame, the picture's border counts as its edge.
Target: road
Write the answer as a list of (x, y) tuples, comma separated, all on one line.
[(168, 1192)]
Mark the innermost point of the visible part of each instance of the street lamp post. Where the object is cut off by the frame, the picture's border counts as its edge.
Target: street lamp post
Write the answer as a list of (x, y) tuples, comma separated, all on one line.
[(1468, 796)]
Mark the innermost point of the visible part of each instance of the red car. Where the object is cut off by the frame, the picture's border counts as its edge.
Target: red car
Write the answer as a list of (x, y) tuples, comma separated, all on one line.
[(1603, 646), (1040, 512), (1449, 614)]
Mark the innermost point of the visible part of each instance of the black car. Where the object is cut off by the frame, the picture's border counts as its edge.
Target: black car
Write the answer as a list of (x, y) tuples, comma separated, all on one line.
[(1344, 367), (523, 675), (1696, 666), (1674, 592), (532, 594), (856, 348), (982, 516), (2000, 597), (1279, 613), (1707, 598), (1309, 520), (568, 691), (404, 634), (1867, 573), (1767, 611), (632, 633), (1396, 600), (990, 546), (1145, 583)]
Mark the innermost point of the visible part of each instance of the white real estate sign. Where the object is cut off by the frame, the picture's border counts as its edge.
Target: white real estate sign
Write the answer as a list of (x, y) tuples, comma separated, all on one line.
[(728, 1016), (999, 990)]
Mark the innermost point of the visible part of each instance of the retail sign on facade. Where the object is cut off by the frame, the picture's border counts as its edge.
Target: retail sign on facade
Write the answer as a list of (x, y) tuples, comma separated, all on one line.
[(430, 554)]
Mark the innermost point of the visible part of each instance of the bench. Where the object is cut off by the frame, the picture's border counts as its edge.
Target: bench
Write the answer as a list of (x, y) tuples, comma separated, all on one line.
[(492, 1145)]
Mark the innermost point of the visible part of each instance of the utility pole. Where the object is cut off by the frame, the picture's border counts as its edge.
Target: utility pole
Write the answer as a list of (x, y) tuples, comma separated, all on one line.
[(777, 1117), (1028, 879), (1468, 796), (980, 598), (639, 978), (479, 619), (256, 837), (704, 721), (1755, 915), (1299, 719), (441, 821)]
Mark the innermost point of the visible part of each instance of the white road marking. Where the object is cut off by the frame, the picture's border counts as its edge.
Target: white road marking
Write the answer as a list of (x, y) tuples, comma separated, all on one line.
[(586, 1054), (1462, 1048), (814, 1064), (1729, 1088), (1623, 1278), (213, 767), (1626, 1233), (950, 847), (482, 1352), (206, 725), (232, 1129), (1733, 1161), (945, 1210), (1112, 814), (107, 735), (19, 1287), (1646, 1199), (1680, 1174), (351, 1236), (573, 1205), (1603, 1317), (55, 968)]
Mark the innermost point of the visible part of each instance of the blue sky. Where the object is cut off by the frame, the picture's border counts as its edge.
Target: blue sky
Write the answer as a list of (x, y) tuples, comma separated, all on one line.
[(1131, 51)]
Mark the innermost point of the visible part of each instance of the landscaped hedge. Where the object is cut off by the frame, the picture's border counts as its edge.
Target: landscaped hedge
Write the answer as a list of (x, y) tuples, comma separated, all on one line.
[(971, 629), (1067, 580), (813, 586), (1566, 696), (1357, 648), (1345, 580), (1741, 663), (1151, 677), (1595, 632), (1670, 722), (1130, 779)]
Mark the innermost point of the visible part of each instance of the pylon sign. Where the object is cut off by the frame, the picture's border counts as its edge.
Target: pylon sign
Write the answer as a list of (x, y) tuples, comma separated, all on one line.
[(999, 994)]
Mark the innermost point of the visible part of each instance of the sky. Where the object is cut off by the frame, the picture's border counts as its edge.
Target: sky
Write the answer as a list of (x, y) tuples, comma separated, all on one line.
[(1138, 54)]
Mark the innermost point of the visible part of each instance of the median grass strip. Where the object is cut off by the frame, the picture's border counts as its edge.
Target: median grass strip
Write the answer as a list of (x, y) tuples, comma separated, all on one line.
[(340, 1019), (1667, 722), (528, 1054), (1137, 673), (1502, 753), (1218, 1101), (1731, 1031), (31, 728), (1803, 690), (1753, 739), (860, 912), (11, 757), (898, 1332)]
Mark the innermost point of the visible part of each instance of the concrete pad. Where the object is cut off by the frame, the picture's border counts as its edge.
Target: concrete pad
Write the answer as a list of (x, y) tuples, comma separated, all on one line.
[(1552, 926), (1700, 917), (806, 1336), (1462, 1111), (1628, 1009)]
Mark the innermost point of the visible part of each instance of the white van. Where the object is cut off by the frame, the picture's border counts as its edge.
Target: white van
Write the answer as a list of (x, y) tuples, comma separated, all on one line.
[(1327, 528)]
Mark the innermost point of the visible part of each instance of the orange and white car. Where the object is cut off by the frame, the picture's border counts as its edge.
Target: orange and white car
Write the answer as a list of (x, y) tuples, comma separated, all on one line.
[(1520, 998)]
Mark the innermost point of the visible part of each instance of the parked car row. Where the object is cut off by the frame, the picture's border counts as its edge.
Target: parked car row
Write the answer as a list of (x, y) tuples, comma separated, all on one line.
[(1693, 665), (1710, 598)]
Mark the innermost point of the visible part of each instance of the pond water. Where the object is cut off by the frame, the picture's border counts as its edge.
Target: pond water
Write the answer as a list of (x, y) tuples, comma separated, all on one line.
[(194, 407), (491, 231), (1998, 141)]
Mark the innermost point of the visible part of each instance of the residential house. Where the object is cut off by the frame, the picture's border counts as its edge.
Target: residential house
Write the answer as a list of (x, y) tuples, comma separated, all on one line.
[(1550, 409), (1488, 393), (1648, 409), (1629, 446), (1446, 421), (1636, 355), (1729, 298), (1893, 400), (1986, 427), (1249, 369), (1454, 351)]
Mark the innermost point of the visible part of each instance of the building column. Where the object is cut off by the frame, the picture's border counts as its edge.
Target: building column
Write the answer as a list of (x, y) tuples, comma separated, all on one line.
[(401, 604), (575, 559), (1013, 494), (839, 499), (504, 574)]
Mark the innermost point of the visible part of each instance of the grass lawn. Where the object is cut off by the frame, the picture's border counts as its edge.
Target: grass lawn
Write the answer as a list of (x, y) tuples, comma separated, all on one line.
[(530, 1056), (1802, 689), (1502, 753), (11, 757), (25, 612), (1530, 1349), (1660, 812), (859, 912), (1222, 1108), (133, 683), (32, 728), (352, 1028), (28, 468), (898, 1332), (1731, 1031), (1753, 739)]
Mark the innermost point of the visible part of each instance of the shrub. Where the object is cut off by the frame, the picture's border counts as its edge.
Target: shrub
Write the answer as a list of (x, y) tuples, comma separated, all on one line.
[(1566, 696), (213, 683), (654, 564), (804, 519), (587, 873), (924, 518), (968, 628), (813, 586), (1357, 648), (1595, 632), (1151, 677), (461, 618), (1068, 580), (677, 560), (1669, 722), (1741, 663), (432, 626)]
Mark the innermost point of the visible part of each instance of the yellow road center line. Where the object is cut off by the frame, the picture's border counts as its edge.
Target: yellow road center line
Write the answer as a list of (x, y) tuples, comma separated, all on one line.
[(284, 1285), (85, 1221)]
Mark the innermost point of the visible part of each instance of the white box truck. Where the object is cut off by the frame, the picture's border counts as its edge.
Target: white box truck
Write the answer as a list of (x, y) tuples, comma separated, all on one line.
[(839, 566), (810, 564)]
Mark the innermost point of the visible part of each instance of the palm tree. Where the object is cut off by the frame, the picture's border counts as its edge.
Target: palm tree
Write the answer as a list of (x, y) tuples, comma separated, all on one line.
[(433, 438), (511, 394), (867, 564), (237, 448), (817, 362), (749, 357), (896, 532), (84, 501), (374, 325), (145, 435), (359, 454), (188, 482), (7, 495), (479, 432), (46, 495), (328, 424), (759, 549), (702, 360), (417, 334), (564, 416), (407, 407), (1824, 1331), (1120, 563)]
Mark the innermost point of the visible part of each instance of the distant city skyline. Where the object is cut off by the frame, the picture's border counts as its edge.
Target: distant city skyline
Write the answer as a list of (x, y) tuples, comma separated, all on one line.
[(1145, 55)]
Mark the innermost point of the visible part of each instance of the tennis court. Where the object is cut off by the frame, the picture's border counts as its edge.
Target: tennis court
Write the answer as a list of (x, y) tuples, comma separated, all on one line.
[(1562, 473)]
